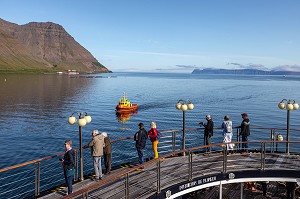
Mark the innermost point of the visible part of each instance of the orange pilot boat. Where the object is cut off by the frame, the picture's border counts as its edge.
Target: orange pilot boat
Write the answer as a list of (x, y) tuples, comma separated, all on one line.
[(125, 106)]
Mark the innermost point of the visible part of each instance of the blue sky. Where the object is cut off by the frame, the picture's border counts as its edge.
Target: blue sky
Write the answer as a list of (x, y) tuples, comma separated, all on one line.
[(174, 35)]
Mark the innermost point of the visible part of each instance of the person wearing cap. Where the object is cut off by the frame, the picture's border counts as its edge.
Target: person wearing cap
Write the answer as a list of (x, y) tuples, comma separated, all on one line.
[(227, 131), (107, 150), (208, 131), (140, 139), (245, 132), (96, 145)]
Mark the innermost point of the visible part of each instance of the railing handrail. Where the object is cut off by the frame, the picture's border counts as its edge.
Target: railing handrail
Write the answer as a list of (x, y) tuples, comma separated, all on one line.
[(60, 154), (117, 140)]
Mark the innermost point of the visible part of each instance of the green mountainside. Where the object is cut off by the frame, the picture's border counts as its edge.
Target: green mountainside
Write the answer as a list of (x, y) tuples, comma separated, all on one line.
[(43, 47)]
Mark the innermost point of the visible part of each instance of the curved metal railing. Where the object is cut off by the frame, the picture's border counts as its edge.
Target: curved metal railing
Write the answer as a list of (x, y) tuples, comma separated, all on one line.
[(37, 176)]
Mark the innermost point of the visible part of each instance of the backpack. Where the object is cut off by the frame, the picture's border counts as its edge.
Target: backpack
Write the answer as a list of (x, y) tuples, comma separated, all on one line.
[(228, 127)]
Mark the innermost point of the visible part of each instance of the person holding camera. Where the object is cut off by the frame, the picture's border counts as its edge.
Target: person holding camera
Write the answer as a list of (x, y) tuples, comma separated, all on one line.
[(208, 131), (68, 165), (245, 132)]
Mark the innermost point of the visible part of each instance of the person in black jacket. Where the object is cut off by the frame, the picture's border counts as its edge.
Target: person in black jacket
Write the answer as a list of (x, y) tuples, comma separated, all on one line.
[(245, 132), (68, 165), (208, 131), (140, 138)]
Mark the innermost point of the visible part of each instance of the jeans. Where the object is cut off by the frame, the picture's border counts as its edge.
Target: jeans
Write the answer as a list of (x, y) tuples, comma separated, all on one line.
[(97, 166), (245, 145), (140, 154), (69, 181), (207, 141)]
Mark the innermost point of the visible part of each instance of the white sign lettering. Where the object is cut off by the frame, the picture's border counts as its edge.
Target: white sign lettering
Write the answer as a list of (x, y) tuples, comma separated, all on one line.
[(197, 182)]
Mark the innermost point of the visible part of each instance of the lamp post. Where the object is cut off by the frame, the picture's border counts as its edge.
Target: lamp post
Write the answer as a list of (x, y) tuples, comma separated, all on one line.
[(82, 121), (184, 105), (288, 105)]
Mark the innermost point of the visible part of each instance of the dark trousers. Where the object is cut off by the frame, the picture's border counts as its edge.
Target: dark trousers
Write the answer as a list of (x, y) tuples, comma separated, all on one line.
[(69, 181), (207, 141), (290, 194), (264, 188), (107, 162), (245, 145), (140, 154)]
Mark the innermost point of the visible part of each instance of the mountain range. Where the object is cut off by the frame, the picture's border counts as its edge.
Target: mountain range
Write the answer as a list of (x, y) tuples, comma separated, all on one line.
[(43, 47), (244, 71)]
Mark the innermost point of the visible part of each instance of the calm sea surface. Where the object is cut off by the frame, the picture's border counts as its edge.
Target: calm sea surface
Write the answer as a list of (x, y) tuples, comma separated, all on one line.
[(34, 109)]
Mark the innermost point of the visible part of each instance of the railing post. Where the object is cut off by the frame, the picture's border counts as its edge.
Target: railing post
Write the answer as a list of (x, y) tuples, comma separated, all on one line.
[(220, 190), (173, 141), (263, 155), (225, 159), (242, 191), (272, 139), (37, 184), (190, 166), (158, 176), (127, 186)]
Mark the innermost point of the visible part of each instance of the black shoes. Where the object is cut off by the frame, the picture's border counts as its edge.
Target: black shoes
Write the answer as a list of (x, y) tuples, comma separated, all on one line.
[(107, 172)]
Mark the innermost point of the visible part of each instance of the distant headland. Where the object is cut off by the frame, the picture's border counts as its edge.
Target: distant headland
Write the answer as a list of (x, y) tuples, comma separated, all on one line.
[(43, 47), (244, 71)]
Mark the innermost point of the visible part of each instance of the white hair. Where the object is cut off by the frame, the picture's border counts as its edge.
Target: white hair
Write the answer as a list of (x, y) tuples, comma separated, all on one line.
[(96, 131), (104, 134)]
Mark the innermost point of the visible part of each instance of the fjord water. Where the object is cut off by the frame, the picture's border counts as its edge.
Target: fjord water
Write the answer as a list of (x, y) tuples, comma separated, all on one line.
[(34, 109)]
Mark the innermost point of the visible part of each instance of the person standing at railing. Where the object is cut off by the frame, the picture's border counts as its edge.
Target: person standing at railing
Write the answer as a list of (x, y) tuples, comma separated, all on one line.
[(290, 189), (68, 165), (96, 145), (208, 131), (245, 132), (227, 132), (107, 153), (140, 139), (153, 135), (264, 185)]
